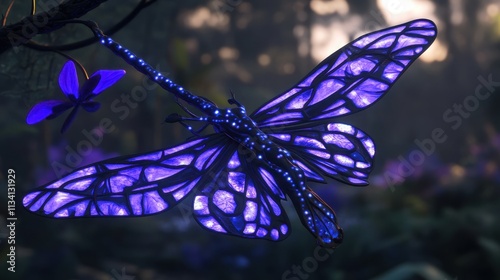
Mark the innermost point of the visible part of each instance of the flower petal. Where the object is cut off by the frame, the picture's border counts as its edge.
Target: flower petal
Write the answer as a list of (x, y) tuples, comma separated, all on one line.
[(68, 80), (91, 106), (108, 78), (87, 88), (47, 109), (59, 109)]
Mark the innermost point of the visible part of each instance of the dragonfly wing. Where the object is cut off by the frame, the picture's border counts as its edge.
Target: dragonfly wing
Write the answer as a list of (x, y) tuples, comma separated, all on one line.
[(243, 199), (129, 186), (334, 150), (352, 78)]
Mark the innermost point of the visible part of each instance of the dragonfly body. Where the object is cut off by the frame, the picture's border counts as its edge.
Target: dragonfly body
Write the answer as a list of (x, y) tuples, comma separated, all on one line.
[(138, 63), (242, 172)]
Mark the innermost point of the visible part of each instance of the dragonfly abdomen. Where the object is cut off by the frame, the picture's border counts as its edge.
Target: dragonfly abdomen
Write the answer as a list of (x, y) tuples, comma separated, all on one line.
[(314, 213)]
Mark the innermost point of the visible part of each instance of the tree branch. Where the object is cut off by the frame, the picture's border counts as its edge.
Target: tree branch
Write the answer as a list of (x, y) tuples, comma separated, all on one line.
[(72, 46), (21, 32)]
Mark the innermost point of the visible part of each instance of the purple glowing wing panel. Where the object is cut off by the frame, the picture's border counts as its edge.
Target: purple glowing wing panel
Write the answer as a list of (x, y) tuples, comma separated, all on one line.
[(243, 200), (334, 150), (129, 186), (352, 78)]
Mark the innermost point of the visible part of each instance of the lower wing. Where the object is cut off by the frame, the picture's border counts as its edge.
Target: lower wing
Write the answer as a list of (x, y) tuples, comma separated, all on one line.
[(243, 199)]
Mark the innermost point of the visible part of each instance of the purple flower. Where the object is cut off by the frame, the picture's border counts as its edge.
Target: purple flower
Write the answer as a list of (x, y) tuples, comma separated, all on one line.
[(77, 96)]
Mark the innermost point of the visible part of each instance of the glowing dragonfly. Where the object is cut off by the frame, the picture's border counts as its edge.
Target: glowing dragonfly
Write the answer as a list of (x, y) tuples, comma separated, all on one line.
[(292, 139)]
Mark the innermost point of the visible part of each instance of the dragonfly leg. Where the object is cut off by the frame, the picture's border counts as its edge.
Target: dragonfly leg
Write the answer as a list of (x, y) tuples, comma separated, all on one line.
[(233, 100), (202, 128), (176, 118), (196, 133), (185, 109)]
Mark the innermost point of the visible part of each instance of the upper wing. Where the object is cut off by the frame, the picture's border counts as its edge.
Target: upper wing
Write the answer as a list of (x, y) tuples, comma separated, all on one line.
[(352, 78), (243, 200), (129, 186), (334, 150)]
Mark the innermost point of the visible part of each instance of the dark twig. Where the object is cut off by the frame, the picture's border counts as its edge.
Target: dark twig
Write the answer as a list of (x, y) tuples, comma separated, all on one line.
[(9, 8), (68, 47), (45, 22), (76, 62), (33, 7)]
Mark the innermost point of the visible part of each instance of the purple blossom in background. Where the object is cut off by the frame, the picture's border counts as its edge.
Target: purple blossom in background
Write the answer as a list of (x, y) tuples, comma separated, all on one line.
[(78, 96)]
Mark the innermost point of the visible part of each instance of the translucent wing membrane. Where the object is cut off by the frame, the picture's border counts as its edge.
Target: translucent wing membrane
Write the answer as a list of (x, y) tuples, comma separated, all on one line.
[(243, 200), (129, 186), (334, 150), (352, 78)]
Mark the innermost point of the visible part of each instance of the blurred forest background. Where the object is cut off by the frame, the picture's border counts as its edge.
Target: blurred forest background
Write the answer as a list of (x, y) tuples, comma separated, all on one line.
[(420, 218)]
